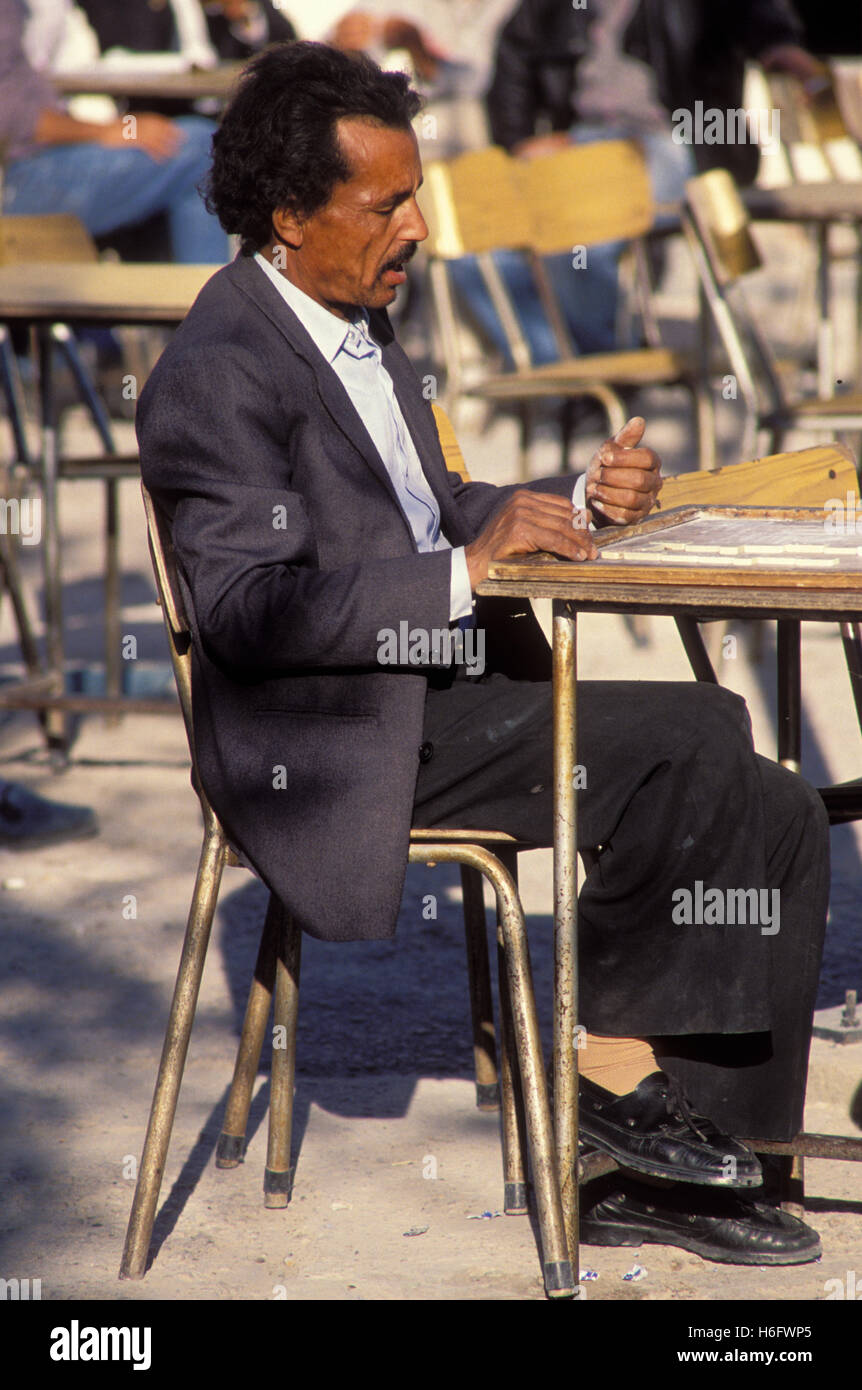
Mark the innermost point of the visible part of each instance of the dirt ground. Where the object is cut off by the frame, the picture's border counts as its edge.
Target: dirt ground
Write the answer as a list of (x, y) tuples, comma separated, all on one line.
[(398, 1186)]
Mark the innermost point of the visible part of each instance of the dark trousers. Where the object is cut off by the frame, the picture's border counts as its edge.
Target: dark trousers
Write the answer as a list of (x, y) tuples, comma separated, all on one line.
[(675, 797)]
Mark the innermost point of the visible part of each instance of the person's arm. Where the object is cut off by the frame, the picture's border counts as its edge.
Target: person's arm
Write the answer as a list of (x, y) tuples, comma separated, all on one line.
[(155, 135)]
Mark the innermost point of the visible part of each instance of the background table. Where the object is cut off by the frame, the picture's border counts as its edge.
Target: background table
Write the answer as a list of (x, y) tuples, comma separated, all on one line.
[(45, 296), (150, 86)]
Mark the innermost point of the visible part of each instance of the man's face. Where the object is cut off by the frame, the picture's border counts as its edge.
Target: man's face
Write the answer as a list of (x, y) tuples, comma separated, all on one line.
[(350, 252)]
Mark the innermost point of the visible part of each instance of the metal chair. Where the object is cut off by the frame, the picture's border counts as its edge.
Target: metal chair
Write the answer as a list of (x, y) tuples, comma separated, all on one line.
[(525, 1108), (718, 229), (486, 201)]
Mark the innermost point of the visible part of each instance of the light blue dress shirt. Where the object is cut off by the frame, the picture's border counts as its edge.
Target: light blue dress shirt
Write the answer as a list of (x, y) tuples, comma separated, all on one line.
[(358, 362)]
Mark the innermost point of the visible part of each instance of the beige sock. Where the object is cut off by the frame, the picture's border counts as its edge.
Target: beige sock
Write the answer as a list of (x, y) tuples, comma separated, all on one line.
[(617, 1064)]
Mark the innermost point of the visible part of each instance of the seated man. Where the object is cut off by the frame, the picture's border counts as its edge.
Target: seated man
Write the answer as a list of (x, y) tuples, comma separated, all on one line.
[(289, 442)]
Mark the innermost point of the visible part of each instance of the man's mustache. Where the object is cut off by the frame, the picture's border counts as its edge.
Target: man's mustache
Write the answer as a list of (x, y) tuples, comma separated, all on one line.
[(398, 262)]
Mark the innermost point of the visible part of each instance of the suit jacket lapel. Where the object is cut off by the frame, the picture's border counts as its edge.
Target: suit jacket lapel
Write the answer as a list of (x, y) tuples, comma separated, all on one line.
[(251, 280)]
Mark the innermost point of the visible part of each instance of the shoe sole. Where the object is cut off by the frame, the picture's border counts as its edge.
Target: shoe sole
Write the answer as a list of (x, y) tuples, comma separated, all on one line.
[(631, 1235), (666, 1170)]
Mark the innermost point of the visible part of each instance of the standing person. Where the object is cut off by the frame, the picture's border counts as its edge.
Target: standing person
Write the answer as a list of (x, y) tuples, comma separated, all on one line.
[(286, 437), (108, 175)]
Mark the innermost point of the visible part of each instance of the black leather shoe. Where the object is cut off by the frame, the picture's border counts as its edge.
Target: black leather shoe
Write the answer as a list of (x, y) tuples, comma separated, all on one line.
[(718, 1226), (654, 1130), (28, 821)]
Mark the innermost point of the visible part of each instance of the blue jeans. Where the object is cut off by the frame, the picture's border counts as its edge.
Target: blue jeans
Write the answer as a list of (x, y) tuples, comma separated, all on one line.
[(588, 300), (110, 188)]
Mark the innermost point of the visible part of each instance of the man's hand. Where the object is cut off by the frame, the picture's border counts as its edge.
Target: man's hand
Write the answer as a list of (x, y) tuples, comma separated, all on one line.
[(623, 480), (155, 135), (538, 145), (529, 521)]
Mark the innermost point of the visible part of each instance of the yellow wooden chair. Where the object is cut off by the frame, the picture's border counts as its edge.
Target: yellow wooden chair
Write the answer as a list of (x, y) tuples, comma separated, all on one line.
[(485, 201)]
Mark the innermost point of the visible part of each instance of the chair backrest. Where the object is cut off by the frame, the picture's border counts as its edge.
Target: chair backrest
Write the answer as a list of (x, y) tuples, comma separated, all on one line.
[(817, 141), (52, 237), (173, 609), (449, 444), (486, 201), (586, 194), (718, 230)]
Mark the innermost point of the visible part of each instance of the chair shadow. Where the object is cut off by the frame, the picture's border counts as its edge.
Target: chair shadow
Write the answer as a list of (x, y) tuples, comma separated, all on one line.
[(397, 1009)]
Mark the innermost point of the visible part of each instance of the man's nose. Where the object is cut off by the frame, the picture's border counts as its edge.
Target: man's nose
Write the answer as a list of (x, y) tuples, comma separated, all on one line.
[(415, 228)]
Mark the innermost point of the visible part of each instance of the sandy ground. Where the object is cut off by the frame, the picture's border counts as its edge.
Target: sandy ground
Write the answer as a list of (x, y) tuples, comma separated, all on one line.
[(388, 1138)]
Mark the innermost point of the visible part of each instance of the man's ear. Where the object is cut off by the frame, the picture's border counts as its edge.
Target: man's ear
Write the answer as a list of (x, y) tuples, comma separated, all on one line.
[(287, 228)]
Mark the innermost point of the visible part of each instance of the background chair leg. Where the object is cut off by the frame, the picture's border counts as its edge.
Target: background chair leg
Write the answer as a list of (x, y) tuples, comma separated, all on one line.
[(278, 1174), (174, 1051), (230, 1150), (479, 978)]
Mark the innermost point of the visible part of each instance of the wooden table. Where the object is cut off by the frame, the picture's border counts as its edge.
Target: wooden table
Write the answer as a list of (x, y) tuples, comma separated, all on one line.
[(50, 297), (819, 205), (597, 587), (140, 85)]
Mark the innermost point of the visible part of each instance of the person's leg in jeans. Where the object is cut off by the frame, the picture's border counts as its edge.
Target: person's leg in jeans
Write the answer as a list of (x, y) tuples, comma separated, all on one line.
[(108, 188)]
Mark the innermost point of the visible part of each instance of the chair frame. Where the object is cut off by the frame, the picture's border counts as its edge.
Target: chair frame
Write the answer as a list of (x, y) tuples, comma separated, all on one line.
[(525, 1108)]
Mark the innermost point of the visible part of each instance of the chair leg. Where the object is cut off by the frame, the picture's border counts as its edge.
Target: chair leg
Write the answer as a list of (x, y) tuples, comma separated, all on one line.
[(481, 1007), (230, 1150), (174, 1051), (278, 1174), (557, 1260), (512, 1119)]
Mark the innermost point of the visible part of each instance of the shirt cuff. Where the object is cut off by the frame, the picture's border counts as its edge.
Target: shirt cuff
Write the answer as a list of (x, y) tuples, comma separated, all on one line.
[(579, 493), (460, 593)]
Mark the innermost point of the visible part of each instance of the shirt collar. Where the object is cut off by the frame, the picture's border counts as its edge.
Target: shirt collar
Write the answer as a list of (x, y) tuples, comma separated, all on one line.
[(326, 329)]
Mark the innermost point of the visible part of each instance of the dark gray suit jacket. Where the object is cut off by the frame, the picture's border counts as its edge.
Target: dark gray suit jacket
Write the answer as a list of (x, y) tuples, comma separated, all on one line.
[(294, 554)]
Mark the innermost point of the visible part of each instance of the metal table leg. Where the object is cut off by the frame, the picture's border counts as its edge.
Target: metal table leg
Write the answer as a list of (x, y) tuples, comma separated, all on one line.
[(789, 693), (566, 919), (56, 723)]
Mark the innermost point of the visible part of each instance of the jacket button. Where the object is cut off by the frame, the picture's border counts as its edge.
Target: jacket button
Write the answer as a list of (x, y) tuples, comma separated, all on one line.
[(426, 751)]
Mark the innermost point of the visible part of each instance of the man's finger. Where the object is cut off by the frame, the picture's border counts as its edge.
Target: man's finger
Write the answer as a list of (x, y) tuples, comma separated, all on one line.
[(631, 432)]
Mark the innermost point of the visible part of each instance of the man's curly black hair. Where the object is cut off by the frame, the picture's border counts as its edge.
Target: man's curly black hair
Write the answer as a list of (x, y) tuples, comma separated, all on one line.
[(277, 147)]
